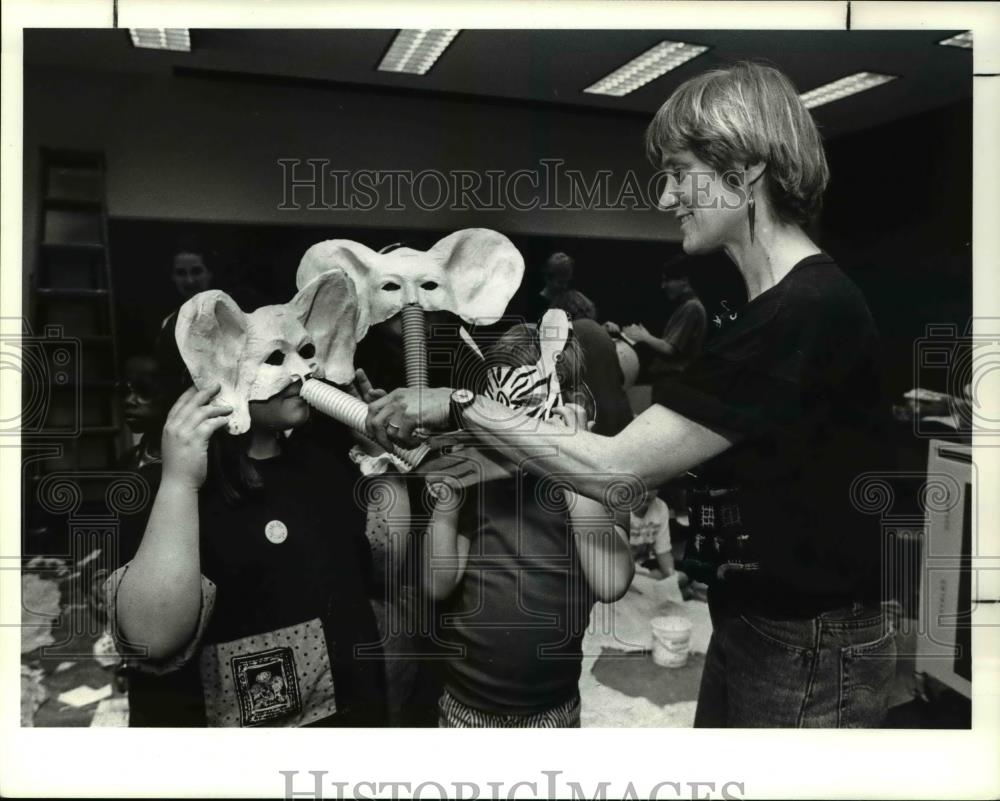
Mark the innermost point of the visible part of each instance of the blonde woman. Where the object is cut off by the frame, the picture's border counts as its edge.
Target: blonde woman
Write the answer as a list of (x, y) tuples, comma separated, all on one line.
[(777, 419)]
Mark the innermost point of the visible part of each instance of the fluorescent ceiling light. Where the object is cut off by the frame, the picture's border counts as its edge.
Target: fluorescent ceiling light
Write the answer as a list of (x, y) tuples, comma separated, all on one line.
[(656, 61), (959, 40), (415, 51), (851, 85), (162, 38)]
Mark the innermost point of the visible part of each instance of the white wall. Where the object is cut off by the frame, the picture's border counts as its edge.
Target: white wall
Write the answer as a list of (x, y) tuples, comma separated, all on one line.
[(194, 149)]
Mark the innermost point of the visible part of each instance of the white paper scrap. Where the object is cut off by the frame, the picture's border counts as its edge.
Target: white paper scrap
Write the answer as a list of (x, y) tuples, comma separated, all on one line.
[(84, 695), (111, 712)]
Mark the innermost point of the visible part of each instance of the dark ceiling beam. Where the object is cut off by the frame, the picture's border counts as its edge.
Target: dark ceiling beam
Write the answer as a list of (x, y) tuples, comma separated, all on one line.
[(326, 84)]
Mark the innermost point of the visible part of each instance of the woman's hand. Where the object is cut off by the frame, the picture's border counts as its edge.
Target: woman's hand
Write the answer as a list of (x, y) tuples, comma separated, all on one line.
[(637, 332), (392, 419), (612, 328), (190, 424)]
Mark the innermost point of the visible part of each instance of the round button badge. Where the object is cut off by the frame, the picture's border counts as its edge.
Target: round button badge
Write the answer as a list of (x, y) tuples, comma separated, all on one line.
[(276, 532)]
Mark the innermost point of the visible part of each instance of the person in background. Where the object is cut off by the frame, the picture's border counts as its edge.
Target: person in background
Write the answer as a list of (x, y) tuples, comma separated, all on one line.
[(558, 275), (684, 334), (190, 272), (601, 369), (197, 268), (649, 536), (681, 344), (143, 410)]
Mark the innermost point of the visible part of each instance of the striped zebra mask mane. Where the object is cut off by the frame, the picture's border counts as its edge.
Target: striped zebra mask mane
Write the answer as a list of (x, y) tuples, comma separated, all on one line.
[(534, 388)]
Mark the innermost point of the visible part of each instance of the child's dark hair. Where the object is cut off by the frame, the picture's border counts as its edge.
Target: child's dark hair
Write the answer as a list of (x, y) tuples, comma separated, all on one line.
[(193, 243), (576, 305), (519, 345)]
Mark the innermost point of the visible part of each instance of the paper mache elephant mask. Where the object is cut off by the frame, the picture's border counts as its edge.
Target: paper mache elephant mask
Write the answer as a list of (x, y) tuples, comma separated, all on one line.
[(472, 273), (254, 356)]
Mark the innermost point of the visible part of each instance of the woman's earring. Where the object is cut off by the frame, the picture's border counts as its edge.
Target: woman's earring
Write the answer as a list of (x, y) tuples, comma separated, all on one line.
[(751, 213)]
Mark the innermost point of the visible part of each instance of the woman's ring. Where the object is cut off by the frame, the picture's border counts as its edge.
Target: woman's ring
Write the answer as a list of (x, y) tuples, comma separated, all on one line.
[(391, 425)]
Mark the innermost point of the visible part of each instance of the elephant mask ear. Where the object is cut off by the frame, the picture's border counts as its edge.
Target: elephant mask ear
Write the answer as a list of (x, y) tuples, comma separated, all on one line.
[(211, 334), (484, 270), (354, 259), (327, 307)]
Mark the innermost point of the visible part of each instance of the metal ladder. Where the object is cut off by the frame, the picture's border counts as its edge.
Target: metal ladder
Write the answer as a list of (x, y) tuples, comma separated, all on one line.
[(70, 399)]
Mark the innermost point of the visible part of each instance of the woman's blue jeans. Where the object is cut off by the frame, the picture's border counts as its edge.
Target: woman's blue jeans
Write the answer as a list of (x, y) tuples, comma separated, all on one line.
[(831, 671)]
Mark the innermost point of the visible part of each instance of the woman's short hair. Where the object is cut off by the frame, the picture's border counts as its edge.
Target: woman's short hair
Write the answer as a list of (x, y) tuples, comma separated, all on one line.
[(576, 305), (741, 115)]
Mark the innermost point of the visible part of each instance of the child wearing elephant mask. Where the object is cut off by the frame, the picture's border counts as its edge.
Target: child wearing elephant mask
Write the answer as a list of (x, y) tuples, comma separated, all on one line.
[(466, 277), (243, 580)]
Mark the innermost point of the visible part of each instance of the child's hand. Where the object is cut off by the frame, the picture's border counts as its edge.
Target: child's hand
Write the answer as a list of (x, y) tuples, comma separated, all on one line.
[(444, 488), (362, 388), (191, 422), (468, 467), (572, 415)]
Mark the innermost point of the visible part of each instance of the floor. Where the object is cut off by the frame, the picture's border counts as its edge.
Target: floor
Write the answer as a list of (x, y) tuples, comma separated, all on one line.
[(63, 681), (621, 685), (64, 684)]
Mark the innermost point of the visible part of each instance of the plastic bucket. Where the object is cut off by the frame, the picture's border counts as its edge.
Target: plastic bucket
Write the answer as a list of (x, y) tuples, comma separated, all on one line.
[(671, 640)]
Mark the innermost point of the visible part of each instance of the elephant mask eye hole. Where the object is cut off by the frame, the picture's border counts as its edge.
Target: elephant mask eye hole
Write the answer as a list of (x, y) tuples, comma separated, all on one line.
[(391, 286), (307, 351), (277, 358), (429, 285)]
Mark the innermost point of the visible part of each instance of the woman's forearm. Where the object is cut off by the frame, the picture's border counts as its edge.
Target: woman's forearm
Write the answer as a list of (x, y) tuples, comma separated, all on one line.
[(159, 599), (658, 445), (655, 447), (544, 448)]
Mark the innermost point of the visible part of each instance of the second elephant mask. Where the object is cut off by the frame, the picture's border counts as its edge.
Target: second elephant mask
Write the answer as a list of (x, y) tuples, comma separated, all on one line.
[(472, 273)]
